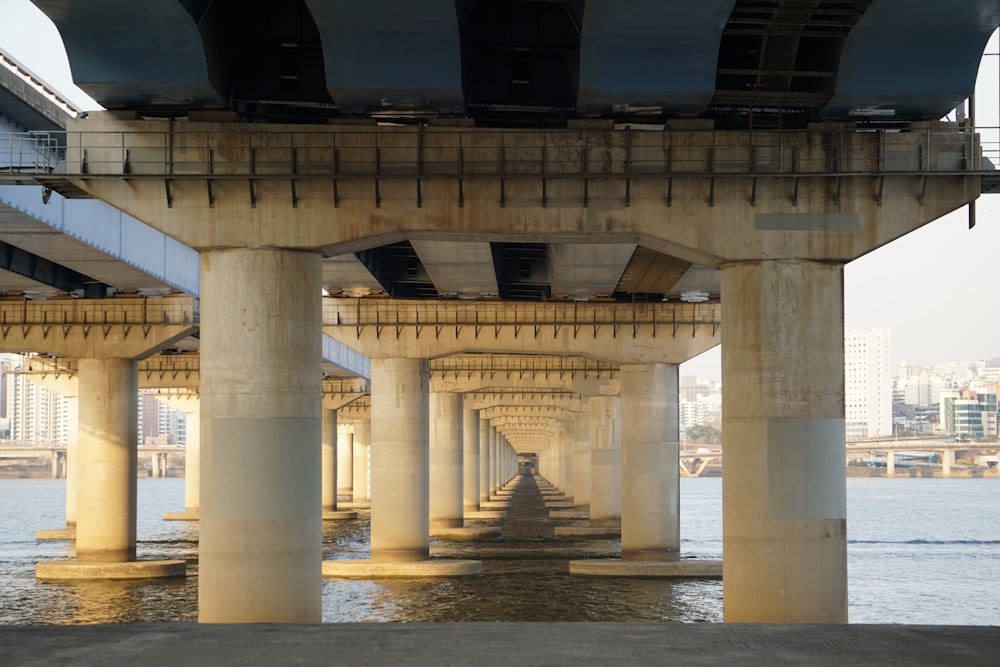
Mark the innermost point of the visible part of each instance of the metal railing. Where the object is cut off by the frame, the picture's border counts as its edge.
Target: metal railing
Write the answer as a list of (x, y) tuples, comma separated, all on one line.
[(98, 312), (260, 153), (401, 313)]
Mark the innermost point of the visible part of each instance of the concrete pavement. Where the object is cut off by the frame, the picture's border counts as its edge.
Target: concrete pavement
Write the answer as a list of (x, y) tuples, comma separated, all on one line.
[(486, 644)]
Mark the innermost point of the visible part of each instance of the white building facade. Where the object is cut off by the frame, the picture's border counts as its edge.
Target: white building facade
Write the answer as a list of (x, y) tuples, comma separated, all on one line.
[(867, 383)]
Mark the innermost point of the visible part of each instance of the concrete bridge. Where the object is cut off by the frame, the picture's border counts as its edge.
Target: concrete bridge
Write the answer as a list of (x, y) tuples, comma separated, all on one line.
[(484, 191)]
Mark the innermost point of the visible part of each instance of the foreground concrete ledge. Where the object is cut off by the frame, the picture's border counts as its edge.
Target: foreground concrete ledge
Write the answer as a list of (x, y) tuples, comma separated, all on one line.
[(495, 644), (140, 569), (340, 515), (186, 515), (466, 533), (56, 535), (587, 531), (494, 505), (569, 514), (349, 505), (691, 567), (559, 504), (474, 515), (369, 569)]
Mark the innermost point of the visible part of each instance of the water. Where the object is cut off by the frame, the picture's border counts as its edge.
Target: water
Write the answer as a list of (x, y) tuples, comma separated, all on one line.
[(922, 551)]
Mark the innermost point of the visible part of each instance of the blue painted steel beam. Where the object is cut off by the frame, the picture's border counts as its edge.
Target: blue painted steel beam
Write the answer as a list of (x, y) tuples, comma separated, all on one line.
[(650, 53), (912, 58), (134, 54), (47, 272), (390, 54)]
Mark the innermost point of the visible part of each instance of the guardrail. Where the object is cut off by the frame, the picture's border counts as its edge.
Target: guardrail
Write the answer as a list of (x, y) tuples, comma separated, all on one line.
[(338, 153), (98, 312)]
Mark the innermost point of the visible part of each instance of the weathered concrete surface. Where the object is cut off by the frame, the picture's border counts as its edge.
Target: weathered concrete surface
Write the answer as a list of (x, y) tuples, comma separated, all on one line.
[(488, 644), (375, 569), (608, 567), (141, 569)]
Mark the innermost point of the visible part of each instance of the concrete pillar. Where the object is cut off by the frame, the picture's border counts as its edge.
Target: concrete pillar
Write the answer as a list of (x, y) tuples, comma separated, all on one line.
[(154, 465), (566, 457), (446, 475), (106, 501), (890, 463), (581, 460), (605, 462), (470, 455), (650, 444), (784, 480), (485, 434), (329, 442), (261, 391), (494, 459), (192, 458), (362, 439), (345, 463), (400, 512), (73, 458), (947, 461)]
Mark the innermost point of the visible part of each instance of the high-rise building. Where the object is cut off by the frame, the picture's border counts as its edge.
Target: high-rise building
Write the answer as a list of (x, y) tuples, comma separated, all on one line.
[(867, 383), (35, 414)]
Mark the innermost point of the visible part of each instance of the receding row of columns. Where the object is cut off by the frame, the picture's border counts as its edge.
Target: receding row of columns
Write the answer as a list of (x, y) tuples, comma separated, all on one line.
[(262, 493)]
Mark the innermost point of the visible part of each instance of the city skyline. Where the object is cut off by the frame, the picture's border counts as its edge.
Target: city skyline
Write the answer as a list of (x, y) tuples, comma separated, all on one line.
[(935, 303)]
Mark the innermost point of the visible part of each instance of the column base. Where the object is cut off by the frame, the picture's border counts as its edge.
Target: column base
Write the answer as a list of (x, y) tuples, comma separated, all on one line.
[(56, 535), (140, 569), (434, 567), (465, 533), (482, 515), (690, 568), (559, 504), (353, 505), (587, 531), (339, 515), (186, 515), (494, 505), (569, 514)]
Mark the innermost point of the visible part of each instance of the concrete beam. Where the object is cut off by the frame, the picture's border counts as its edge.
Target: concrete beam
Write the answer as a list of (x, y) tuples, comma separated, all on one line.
[(620, 333)]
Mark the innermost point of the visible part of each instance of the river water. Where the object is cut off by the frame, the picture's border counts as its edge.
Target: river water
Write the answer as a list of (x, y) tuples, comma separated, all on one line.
[(920, 551)]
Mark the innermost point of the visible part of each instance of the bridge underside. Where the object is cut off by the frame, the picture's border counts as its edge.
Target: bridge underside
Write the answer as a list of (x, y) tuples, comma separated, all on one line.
[(751, 63)]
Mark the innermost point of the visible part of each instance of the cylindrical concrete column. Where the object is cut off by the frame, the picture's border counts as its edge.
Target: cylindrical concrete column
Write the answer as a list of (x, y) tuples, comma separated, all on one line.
[(485, 431), (581, 459), (400, 468), (108, 435), (362, 438), (329, 441), (72, 458), (446, 475), (495, 436), (650, 444), (192, 458), (261, 391), (784, 486), (605, 461), (566, 460), (345, 463), (470, 455)]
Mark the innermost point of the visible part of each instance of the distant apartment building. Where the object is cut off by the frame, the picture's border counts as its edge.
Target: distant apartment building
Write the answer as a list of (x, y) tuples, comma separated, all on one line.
[(159, 424), (34, 414), (868, 383), (972, 412), (700, 402)]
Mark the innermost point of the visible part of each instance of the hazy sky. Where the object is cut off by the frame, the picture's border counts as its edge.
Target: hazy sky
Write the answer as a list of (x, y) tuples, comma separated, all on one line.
[(937, 289)]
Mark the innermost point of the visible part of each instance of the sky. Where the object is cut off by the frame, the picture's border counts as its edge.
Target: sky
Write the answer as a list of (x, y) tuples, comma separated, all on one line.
[(936, 289)]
